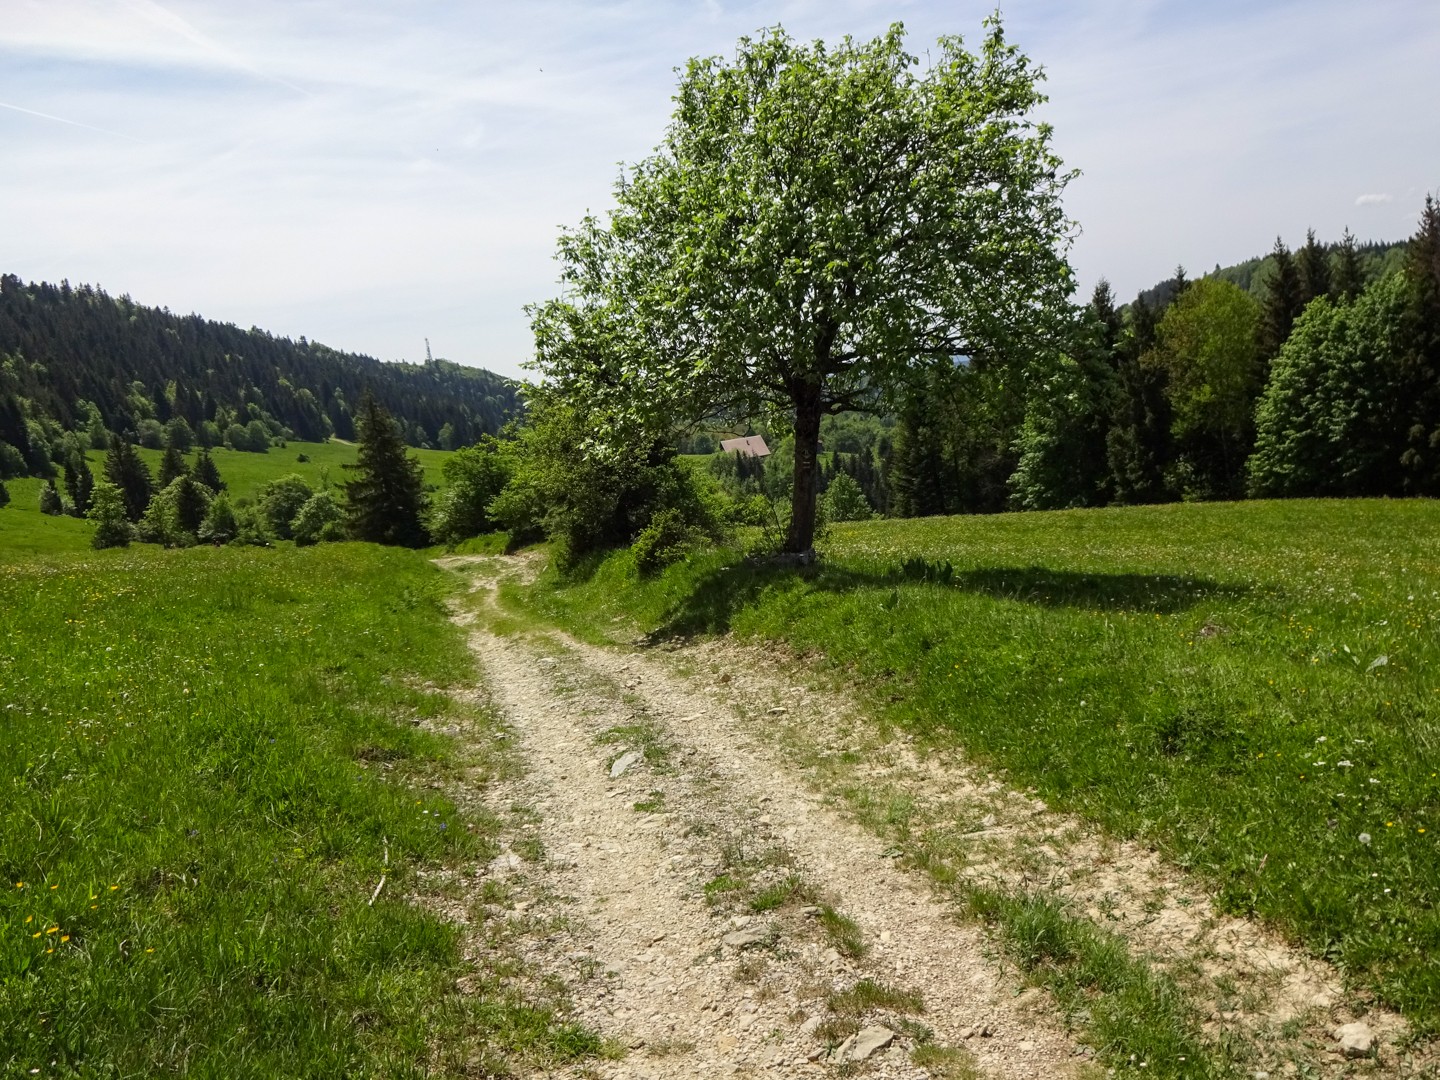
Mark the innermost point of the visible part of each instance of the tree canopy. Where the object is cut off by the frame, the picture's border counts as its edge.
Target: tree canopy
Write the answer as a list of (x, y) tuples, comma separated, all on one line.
[(819, 226)]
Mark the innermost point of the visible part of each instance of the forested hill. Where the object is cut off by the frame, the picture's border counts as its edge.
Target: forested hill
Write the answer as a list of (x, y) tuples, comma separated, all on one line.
[(68, 353), (1253, 275)]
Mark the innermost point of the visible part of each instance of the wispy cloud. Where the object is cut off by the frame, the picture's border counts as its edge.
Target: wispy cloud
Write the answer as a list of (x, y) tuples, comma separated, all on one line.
[(1378, 199), (63, 120), (414, 184)]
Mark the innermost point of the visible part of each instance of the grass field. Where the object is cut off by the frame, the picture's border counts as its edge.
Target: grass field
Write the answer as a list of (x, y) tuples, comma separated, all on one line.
[(212, 757), (246, 473), (1254, 688)]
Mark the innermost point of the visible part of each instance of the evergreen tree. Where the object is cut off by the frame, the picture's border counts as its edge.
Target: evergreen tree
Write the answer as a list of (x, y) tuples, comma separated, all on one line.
[(1421, 459), (207, 473), (108, 512), (385, 500), (79, 483), (1138, 442), (1348, 280), (1282, 302), (191, 504), (172, 466), (1313, 266), (50, 502), (130, 475)]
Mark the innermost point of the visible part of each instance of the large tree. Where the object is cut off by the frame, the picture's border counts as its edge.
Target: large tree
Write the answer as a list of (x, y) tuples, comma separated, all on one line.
[(819, 227)]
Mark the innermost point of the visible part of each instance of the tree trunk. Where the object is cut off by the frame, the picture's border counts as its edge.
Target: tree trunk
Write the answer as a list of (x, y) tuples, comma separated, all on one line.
[(800, 540)]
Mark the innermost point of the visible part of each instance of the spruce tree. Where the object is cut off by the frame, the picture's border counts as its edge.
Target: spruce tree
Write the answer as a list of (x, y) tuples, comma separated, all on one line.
[(50, 502), (1348, 281), (1314, 269), (385, 500), (172, 466), (129, 474), (1421, 460), (1282, 303), (108, 512), (207, 473), (191, 504), (79, 483)]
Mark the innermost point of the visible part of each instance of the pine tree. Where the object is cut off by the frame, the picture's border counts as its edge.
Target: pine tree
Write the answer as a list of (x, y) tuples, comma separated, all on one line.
[(191, 504), (207, 473), (1348, 280), (385, 500), (172, 466), (50, 502), (108, 512), (1314, 269), (79, 483), (1282, 303), (129, 474)]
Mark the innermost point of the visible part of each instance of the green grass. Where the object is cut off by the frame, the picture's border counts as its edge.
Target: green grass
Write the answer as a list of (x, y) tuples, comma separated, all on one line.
[(26, 531), (1250, 687), (211, 758), (246, 473)]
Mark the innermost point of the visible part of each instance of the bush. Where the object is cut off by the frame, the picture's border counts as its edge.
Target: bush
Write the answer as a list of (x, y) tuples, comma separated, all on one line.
[(152, 435), (179, 435), (175, 514), (474, 477), (107, 511), (4, 494), (12, 462), (318, 520), (219, 526), (845, 501), (584, 496), (666, 540), (280, 502)]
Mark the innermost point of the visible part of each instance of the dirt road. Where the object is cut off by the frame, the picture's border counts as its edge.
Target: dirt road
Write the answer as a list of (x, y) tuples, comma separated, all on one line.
[(709, 861)]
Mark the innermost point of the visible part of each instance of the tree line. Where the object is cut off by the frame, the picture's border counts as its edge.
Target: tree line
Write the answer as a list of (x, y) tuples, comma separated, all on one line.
[(74, 359), (187, 504)]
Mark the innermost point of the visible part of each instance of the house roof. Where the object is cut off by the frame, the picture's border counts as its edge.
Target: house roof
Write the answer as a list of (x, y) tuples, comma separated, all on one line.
[(750, 446)]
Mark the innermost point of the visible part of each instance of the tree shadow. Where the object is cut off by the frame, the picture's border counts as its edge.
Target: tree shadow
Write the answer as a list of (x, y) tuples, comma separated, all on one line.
[(712, 604)]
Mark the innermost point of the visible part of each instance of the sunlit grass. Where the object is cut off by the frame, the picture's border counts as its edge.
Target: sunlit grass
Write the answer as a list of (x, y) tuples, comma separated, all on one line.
[(1254, 688), (211, 757)]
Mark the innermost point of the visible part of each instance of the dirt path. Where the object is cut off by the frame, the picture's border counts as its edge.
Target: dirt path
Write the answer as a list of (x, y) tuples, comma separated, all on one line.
[(720, 887)]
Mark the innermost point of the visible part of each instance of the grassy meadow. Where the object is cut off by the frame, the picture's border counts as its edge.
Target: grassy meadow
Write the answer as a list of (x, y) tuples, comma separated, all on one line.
[(1254, 688), (212, 757)]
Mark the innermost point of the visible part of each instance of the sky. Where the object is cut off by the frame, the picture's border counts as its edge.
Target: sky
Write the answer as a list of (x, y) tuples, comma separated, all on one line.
[(372, 174)]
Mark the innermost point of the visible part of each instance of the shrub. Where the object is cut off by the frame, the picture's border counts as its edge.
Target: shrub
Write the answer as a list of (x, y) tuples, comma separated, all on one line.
[(219, 526), (474, 477), (175, 514), (152, 435), (586, 496), (4, 494), (107, 511), (281, 500), (667, 539), (318, 520), (12, 462), (179, 435), (845, 501)]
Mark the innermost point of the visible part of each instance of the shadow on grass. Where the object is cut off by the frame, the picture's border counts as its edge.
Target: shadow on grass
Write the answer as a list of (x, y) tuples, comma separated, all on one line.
[(715, 598)]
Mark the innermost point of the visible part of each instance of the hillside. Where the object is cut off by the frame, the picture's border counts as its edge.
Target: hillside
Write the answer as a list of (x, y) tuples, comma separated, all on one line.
[(62, 347), (1376, 259)]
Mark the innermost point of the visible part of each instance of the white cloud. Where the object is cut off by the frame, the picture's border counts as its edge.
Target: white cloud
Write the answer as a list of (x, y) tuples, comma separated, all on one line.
[(1374, 200), (368, 173)]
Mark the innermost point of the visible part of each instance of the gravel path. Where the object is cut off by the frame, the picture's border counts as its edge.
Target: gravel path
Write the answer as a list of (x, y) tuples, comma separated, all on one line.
[(696, 849)]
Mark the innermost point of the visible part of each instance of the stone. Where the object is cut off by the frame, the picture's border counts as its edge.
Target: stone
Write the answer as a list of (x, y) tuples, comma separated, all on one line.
[(743, 939), (809, 1026), (623, 763), (1356, 1040), (988, 821), (868, 1041), (778, 710), (746, 1022), (507, 862)]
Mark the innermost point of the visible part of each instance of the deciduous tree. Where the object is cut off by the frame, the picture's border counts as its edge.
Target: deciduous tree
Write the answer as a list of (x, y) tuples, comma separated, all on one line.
[(819, 226)]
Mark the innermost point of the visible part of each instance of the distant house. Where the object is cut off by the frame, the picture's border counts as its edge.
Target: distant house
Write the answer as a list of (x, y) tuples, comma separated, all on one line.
[(750, 446)]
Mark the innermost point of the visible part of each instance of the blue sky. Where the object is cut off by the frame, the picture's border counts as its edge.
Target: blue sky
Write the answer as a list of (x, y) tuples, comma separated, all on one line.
[(371, 174)]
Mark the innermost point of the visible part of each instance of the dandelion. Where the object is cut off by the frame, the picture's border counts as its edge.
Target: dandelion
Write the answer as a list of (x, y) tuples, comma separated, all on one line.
[(64, 938), (29, 918), (1364, 838)]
